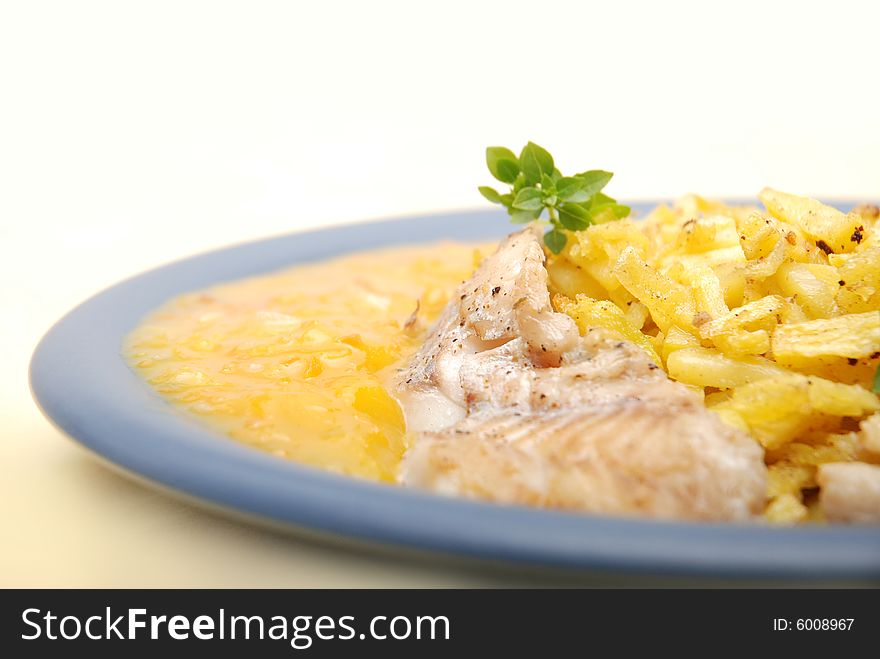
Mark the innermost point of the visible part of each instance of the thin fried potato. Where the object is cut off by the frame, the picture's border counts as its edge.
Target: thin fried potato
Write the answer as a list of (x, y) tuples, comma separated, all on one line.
[(772, 315), (830, 448), (668, 301), (571, 279), (787, 509), (813, 286), (597, 249), (737, 343), (708, 295), (784, 477), (851, 336), (677, 339), (588, 313), (761, 314), (708, 233), (733, 283), (636, 313), (778, 409), (839, 369), (710, 368), (839, 399), (759, 234), (765, 266), (711, 258), (859, 281), (838, 232)]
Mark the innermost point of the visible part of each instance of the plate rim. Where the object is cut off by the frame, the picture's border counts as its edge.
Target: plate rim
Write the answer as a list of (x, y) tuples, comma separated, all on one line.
[(83, 385)]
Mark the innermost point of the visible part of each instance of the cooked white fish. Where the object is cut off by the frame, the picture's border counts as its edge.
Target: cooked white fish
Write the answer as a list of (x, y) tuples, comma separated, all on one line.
[(505, 300), (850, 492), (869, 437), (507, 402)]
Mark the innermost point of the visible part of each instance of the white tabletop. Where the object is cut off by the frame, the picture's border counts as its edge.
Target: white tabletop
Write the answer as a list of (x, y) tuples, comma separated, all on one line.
[(131, 135)]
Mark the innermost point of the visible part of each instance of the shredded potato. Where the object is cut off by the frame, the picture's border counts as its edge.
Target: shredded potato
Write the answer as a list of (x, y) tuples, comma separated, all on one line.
[(773, 314)]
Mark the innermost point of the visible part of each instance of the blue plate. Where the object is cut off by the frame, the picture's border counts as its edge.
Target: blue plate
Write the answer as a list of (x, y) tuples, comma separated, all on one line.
[(83, 384)]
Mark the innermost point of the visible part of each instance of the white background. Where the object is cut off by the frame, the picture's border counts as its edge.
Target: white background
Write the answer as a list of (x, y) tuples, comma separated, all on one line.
[(135, 133)]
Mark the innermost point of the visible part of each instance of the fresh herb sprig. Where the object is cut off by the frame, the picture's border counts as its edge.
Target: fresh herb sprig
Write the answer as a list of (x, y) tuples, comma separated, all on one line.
[(876, 387), (572, 202)]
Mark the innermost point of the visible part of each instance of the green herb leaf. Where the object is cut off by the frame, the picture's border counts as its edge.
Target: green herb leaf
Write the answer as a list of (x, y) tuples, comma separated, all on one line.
[(601, 199), (573, 203), (502, 163), (490, 194), (535, 161), (876, 388), (594, 180), (608, 210), (524, 217), (603, 215), (571, 188), (529, 199), (574, 217), (555, 240), (621, 210)]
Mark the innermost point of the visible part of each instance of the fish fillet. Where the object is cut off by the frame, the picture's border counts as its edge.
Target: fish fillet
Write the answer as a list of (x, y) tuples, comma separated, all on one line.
[(507, 402), (850, 492)]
